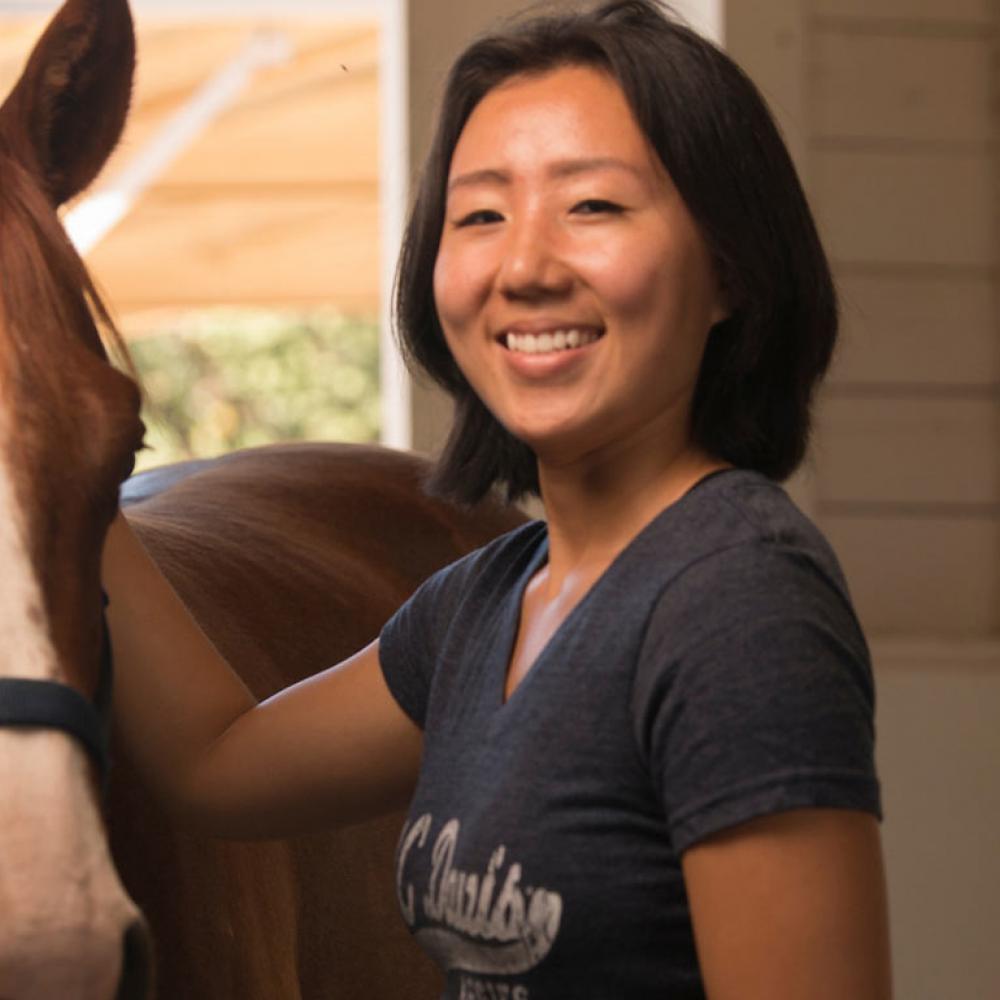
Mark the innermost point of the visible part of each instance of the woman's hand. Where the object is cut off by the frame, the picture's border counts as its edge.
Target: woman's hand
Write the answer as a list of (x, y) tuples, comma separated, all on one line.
[(792, 907)]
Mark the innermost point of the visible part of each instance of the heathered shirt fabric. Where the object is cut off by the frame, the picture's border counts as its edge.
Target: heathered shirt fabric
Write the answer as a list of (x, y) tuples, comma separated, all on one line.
[(715, 673)]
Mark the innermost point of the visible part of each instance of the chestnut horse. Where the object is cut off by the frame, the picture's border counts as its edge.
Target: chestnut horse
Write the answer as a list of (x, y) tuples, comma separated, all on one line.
[(290, 557)]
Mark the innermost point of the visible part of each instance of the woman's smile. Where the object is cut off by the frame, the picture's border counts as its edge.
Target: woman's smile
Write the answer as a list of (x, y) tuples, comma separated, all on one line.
[(547, 350), (574, 289), (548, 340)]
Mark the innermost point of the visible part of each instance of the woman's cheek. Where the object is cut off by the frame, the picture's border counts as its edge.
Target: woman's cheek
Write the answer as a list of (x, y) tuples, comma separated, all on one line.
[(453, 309), (442, 287), (623, 273), (459, 287)]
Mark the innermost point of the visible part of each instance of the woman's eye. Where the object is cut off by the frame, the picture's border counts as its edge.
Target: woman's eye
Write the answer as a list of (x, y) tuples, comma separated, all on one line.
[(597, 206), (482, 217)]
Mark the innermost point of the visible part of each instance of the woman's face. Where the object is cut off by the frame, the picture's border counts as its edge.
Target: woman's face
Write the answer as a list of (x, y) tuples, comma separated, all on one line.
[(573, 287)]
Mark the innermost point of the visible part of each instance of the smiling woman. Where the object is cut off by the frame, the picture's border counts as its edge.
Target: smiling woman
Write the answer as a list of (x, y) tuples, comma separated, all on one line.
[(612, 268)]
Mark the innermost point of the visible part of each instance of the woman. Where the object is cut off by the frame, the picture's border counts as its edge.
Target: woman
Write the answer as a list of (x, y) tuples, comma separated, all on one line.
[(636, 740)]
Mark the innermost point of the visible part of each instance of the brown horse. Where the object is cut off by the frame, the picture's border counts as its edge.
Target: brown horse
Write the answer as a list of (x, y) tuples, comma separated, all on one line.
[(290, 557)]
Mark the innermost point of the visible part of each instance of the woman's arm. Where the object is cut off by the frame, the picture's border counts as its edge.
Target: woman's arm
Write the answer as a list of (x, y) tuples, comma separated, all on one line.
[(792, 907), (334, 749)]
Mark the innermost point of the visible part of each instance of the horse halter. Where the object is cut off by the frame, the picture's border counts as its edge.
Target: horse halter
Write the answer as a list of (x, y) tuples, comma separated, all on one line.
[(52, 705)]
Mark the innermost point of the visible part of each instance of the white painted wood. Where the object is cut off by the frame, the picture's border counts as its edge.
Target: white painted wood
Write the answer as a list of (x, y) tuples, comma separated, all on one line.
[(394, 184), (938, 744), (910, 451), (208, 10), (965, 656), (933, 208), (938, 699), (926, 577), (971, 11), (707, 17), (883, 87), (767, 39), (931, 329)]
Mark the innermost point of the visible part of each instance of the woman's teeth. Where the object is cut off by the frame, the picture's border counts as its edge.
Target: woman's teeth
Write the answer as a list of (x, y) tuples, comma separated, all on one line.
[(545, 343)]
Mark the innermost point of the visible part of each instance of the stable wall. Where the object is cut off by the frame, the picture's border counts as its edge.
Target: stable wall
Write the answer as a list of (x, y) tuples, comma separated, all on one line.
[(891, 109)]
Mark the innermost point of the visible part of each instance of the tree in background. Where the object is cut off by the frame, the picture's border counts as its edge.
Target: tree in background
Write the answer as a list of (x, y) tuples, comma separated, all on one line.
[(222, 379)]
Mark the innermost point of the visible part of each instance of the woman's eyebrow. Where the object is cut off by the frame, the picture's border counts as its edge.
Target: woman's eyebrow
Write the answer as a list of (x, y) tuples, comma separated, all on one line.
[(474, 177), (560, 168), (569, 168)]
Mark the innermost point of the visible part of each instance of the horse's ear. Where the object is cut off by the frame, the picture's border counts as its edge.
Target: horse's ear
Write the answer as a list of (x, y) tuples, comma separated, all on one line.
[(66, 113)]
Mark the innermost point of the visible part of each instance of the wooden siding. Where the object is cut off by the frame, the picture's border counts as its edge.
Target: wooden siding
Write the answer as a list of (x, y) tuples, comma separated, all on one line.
[(902, 166)]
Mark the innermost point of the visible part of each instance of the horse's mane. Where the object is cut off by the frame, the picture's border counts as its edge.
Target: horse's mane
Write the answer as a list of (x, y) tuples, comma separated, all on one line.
[(44, 284)]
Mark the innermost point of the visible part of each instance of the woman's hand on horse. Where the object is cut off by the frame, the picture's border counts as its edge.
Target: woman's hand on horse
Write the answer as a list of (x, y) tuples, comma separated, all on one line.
[(331, 750)]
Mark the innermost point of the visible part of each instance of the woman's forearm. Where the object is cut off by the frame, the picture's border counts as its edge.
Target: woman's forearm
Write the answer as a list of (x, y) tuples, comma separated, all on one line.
[(174, 693)]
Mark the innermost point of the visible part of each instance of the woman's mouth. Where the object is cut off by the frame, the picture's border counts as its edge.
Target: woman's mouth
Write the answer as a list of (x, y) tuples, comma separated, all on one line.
[(551, 341)]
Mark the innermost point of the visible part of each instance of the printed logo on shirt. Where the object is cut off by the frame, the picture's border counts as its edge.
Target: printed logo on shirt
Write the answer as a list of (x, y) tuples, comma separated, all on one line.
[(481, 922), (480, 989)]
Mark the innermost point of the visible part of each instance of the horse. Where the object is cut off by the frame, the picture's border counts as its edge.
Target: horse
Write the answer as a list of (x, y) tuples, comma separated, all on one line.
[(290, 557)]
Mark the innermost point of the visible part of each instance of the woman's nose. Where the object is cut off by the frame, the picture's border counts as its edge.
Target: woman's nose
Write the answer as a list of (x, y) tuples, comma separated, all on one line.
[(533, 265)]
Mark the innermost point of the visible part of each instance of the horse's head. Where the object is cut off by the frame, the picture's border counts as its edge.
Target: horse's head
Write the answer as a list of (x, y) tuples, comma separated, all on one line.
[(69, 426)]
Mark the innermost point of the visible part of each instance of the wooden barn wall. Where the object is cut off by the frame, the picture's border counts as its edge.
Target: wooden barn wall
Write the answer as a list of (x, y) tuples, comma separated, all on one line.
[(903, 166), (891, 107)]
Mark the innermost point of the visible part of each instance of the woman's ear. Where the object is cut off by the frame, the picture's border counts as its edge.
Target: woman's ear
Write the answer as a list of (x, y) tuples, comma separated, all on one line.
[(723, 305), (67, 111), (720, 312)]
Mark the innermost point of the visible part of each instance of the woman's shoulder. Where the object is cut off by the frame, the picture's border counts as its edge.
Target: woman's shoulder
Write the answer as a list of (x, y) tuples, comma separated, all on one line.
[(732, 555), (739, 521), (742, 558)]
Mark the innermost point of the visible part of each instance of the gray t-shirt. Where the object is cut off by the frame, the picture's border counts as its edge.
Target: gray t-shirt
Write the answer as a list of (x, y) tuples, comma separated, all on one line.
[(715, 673)]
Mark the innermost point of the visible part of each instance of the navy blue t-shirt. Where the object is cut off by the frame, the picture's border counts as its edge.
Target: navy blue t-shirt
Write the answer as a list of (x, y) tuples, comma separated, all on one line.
[(716, 672)]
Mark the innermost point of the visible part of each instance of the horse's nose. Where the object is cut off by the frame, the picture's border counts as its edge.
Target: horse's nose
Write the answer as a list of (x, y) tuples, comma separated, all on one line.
[(136, 982)]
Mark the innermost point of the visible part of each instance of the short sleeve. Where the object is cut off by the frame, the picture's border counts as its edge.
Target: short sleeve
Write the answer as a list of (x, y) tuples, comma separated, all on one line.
[(408, 643), (754, 694), (446, 607)]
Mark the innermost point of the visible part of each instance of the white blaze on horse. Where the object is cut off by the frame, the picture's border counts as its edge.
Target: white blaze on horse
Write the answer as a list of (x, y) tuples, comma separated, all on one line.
[(66, 923), (290, 558)]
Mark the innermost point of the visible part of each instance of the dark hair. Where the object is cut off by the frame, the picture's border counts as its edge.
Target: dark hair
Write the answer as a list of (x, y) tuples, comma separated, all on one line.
[(716, 137)]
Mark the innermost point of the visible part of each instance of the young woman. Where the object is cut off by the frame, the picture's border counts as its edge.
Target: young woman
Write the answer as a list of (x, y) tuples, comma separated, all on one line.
[(636, 739)]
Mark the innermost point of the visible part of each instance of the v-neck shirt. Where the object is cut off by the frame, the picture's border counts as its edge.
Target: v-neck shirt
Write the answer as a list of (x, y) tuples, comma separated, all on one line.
[(713, 673)]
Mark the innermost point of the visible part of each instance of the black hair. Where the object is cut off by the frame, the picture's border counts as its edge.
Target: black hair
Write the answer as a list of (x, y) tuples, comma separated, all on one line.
[(716, 138)]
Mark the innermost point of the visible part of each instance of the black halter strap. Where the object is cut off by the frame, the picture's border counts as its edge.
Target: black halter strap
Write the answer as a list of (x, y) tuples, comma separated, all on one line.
[(52, 705)]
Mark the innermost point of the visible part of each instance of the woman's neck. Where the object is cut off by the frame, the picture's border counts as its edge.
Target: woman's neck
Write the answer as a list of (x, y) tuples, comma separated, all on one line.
[(596, 506)]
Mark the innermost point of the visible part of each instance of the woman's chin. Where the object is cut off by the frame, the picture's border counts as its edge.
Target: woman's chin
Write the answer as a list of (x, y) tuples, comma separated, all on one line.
[(556, 444)]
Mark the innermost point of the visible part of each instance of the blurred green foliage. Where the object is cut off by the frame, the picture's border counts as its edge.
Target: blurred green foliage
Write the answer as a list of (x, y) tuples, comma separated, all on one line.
[(221, 379)]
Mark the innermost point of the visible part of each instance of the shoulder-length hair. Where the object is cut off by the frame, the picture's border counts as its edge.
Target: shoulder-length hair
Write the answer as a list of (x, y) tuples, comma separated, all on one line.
[(717, 140)]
